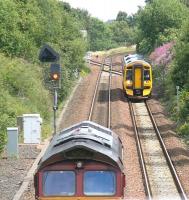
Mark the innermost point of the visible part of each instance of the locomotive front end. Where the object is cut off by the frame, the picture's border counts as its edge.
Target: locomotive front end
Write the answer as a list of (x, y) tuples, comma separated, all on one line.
[(82, 162)]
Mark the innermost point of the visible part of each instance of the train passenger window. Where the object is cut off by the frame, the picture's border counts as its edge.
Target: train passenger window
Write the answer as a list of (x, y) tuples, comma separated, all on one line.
[(59, 183), (129, 75), (146, 75), (97, 183)]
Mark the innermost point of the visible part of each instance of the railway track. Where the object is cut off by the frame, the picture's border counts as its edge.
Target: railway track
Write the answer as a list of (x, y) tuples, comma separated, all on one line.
[(100, 111), (92, 117), (107, 66), (160, 177)]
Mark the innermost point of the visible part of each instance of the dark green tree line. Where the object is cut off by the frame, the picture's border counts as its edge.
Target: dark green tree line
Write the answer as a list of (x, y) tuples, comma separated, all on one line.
[(159, 22)]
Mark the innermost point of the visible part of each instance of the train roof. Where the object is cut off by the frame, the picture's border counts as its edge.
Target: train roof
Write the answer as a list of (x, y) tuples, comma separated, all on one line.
[(127, 57), (138, 62), (91, 140), (135, 58)]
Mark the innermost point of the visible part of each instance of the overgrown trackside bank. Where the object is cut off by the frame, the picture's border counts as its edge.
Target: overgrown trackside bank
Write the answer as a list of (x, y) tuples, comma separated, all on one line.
[(163, 36), (24, 83), (21, 91), (25, 26), (159, 30)]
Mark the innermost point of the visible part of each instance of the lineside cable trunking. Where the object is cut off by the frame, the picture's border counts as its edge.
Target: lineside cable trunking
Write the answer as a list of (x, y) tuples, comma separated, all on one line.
[(32, 128)]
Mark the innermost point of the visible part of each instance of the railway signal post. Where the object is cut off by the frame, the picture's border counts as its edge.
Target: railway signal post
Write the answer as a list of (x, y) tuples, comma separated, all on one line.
[(55, 74), (48, 54)]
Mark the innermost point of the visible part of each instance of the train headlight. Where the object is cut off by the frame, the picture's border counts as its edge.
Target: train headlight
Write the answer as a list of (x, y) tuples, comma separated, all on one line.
[(79, 165), (129, 82)]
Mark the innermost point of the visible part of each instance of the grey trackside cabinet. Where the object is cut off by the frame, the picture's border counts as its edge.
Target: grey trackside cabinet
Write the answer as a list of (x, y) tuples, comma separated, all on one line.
[(12, 145), (32, 128)]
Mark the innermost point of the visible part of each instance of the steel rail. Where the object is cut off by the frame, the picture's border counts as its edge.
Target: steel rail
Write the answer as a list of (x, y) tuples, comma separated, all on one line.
[(111, 55), (96, 63), (109, 95), (169, 161), (141, 156), (96, 89)]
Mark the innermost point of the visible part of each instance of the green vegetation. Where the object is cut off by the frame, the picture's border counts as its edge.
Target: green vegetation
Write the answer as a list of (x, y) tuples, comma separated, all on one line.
[(159, 23), (25, 26), (21, 91), (99, 35), (104, 36), (118, 50), (179, 77), (160, 28), (163, 33), (123, 29)]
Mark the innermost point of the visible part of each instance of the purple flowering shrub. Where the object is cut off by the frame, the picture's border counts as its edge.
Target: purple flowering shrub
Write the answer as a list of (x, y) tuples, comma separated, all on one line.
[(162, 55)]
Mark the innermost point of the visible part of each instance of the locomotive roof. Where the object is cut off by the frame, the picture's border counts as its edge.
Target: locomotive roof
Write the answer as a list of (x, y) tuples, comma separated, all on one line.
[(103, 145)]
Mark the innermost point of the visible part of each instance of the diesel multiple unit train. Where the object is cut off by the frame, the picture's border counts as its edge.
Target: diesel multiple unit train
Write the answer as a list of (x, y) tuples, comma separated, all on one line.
[(82, 162), (137, 77)]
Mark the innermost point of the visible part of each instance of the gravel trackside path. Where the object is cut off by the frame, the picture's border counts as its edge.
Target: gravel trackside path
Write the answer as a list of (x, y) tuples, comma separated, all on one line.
[(177, 149), (79, 106), (13, 171)]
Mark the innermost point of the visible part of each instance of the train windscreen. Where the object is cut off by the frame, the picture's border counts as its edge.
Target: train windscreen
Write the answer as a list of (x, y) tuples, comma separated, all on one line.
[(97, 183), (59, 183), (129, 75), (146, 75)]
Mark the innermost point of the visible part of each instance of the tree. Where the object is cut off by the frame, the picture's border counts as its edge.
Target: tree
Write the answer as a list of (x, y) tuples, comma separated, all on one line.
[(157, 22), (148, 1), (186, 2), (121, 16), (24, 27), (121, 32), (99, 35), (180, 71)]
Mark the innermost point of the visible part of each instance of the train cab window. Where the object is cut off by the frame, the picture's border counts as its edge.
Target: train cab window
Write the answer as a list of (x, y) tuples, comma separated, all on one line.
[(146, 75), (98, 183), (59, 183), (129, 75)]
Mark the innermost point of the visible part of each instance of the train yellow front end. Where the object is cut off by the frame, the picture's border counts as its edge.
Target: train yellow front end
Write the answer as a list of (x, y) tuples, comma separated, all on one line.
[(137, 79)]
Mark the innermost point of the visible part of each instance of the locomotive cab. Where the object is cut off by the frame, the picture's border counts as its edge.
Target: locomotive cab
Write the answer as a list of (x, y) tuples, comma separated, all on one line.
[(83, 161)]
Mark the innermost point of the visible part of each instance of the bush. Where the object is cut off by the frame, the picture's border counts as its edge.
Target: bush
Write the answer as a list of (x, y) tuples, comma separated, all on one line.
[(157, 24), (21, 91), (162, 56), (184, 129)]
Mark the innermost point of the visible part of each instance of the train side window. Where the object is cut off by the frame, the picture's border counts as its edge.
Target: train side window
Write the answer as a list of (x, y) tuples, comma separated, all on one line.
[(59, 183), (99, 183), (129, 75), (146, 75)]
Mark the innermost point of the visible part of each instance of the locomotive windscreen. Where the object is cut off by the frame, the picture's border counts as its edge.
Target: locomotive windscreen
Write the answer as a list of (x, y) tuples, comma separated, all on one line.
[(98, 183), (59, 183)]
